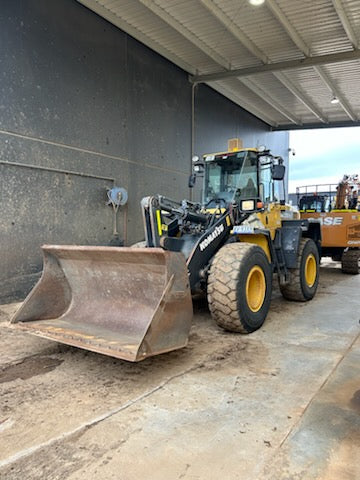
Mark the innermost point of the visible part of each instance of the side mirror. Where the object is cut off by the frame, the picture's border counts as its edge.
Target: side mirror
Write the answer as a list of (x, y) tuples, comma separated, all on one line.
[(198, 169), (192, 180), (278, 172)]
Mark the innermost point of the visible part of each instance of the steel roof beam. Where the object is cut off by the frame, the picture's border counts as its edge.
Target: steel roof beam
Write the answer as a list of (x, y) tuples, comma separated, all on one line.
[(234, 29), (280, 66), (301, 45), (252, 48), (306, 50), (304, 126), (290, 30), (221, 88), (298, 41), (339, 8), (247, 43), (300, 96), (250, 84), (197, 42), (334, 90), (186, 33)]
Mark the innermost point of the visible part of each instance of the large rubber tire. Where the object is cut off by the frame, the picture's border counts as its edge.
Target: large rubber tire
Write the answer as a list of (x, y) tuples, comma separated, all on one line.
[(304, 279), (239, 287), (350, 261)]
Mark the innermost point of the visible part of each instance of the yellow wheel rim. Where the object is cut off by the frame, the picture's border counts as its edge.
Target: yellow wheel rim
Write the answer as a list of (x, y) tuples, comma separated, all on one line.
[(310, 270), (255, 288)]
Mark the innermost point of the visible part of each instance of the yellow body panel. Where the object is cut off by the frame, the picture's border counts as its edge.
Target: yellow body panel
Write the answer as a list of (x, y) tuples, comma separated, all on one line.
[(271, 218), (159, 222), (288, 212), (257, 239), (215, 210)]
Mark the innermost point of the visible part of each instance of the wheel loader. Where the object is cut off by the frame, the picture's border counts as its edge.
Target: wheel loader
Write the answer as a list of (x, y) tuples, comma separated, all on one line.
[(133, 303), (336, 208)]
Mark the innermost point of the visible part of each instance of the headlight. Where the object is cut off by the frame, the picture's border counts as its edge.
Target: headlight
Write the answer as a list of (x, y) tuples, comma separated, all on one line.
[(247, 205), (199, 168)]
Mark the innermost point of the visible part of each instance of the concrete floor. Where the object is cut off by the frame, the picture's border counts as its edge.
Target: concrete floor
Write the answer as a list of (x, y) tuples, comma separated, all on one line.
[(282, 403)]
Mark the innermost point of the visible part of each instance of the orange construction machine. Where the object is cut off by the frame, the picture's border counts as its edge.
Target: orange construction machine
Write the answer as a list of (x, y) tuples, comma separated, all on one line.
[(338, 209)]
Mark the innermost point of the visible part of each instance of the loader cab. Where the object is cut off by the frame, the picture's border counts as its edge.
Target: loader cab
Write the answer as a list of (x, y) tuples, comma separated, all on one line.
[(246, 177), (230, 177)]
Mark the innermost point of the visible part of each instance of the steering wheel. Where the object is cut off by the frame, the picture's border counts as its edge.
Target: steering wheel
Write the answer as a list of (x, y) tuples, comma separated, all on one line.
[(218, 201)]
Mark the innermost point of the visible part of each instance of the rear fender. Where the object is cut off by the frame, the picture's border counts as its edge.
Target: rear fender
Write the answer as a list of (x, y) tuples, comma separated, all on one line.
[(257, 239), (292, 231)]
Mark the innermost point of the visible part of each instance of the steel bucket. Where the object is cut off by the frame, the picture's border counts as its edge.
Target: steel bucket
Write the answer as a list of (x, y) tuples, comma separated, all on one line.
[(123, 302)]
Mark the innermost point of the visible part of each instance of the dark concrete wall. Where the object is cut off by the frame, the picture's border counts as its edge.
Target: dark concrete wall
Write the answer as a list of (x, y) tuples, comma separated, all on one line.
[(83, 106), (218, 119)]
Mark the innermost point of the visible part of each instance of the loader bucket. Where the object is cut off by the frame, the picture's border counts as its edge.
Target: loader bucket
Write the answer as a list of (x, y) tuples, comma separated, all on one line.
[(123, 302)]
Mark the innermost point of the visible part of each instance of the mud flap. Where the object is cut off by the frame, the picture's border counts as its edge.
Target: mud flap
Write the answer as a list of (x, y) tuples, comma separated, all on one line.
[(123, 302)]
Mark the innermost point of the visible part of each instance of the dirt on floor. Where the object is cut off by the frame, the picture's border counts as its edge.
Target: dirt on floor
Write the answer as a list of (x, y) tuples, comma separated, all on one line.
[(281, 403)]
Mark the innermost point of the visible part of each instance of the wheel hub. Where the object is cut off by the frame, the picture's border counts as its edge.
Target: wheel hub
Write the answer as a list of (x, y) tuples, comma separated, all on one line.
[(310, 270), (255, 288)]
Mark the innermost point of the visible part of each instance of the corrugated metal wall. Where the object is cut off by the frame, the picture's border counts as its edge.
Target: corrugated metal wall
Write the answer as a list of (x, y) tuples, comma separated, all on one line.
[(83, 106)]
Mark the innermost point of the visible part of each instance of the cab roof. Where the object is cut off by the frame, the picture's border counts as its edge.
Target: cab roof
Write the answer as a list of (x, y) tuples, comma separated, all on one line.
[(231, 152)]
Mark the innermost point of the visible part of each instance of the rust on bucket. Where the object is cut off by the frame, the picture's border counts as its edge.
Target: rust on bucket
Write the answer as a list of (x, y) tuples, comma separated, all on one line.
[(123, 302)]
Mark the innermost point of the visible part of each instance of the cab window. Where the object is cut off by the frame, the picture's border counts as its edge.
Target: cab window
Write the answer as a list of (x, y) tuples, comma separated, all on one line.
[(266, 184)]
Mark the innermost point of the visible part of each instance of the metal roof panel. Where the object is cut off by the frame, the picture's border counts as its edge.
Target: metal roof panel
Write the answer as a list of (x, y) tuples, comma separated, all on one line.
[(209, 36)]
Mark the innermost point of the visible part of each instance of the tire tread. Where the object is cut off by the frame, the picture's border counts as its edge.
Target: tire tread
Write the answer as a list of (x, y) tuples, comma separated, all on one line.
[(293, 290), (222, 286), (350, 262)]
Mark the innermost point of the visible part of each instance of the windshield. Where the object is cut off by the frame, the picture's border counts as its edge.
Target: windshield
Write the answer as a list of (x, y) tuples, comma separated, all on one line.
[(315, 203), (231, 174)]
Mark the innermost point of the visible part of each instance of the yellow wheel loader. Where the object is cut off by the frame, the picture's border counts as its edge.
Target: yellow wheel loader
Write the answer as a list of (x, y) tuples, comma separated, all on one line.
[(133, 303)]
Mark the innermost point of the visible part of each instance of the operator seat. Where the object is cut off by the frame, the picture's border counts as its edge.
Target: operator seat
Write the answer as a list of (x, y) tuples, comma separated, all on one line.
[(250, 190)]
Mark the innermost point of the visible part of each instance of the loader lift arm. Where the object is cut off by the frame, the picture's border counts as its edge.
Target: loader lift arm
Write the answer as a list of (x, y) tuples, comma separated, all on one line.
[(184, 227)]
